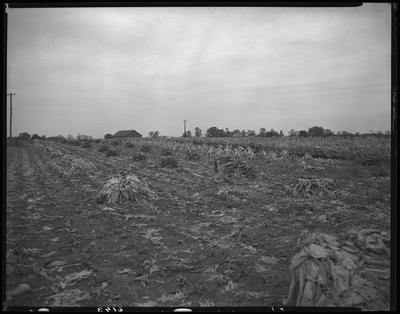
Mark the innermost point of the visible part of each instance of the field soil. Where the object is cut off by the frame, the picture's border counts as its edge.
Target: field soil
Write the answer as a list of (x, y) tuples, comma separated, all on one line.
[(207, 240)]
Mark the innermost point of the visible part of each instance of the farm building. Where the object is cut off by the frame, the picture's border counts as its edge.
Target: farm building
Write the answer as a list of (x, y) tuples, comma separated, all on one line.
[(127, 133)]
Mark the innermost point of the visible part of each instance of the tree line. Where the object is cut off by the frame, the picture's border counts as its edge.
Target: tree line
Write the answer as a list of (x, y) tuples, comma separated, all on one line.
[(315, 131)]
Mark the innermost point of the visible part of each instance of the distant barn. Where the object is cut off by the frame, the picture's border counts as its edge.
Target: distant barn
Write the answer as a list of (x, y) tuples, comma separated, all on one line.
[(127, 133)]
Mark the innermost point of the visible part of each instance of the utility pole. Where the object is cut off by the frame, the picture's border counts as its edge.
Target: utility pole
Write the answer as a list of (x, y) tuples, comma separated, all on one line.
[(184, 128), (11, 94)]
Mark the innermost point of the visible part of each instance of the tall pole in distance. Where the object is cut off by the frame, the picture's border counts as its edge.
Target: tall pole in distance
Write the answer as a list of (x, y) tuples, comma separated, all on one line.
[(11, 94), (184, 128)]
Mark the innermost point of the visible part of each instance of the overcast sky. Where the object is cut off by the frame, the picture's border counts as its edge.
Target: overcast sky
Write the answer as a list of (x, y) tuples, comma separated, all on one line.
[(98, 70)]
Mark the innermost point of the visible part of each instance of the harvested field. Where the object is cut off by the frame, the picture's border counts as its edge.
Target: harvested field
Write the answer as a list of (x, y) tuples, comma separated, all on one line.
[(199, 226)]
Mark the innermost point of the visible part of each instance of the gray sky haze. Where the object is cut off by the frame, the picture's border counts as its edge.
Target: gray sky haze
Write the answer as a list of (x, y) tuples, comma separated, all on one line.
[(98, 70)]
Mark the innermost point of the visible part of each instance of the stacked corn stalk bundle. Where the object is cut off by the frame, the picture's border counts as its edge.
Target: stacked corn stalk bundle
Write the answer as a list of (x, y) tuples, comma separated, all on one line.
[(103, 148), (239, 153), (284, 154), (327, 272), (54, 152), (168, 162), (270, 156), (125, 187), (238, 168), (86, 144), (80, 167), (69, 166), (370, 160), (146, 149), (308, 167), (65, 161), (192, 155), (38, 145), (224, 159), (166, 152), (62, 164), (111, 152), (316, 187), (140, 157), (250, 153)]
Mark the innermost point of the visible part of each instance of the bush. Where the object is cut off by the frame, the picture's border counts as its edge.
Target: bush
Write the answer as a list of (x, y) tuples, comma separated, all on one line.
[(145, 148), (24, 136), (129, 145), (115, 143), (111, 152)]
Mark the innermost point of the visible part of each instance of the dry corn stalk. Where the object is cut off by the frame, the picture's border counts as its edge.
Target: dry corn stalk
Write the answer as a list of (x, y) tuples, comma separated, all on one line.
[(81, 168), (315, 187), (54, 153), (73, 166), (238, 168), (324, 274), (125, 188)]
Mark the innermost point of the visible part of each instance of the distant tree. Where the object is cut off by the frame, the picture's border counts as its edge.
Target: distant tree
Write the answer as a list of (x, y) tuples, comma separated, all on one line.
[(251, 133), (347, 134), (82, 137), (228, 133), (316, 131), (243, 133), (108, 135), (387, 132), (328, 132), (281, 133), (292, 133), (236, 133), (303, 133), (154, 134), (357, 134), (43, 137), (215, 132), (262, 132), (271, 133), (188, 133), (197, 131), (35, 137), (212, 132), (24, 136)]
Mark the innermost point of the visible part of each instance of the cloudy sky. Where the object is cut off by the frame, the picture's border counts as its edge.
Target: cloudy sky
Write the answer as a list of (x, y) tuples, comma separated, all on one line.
[(98, 70)]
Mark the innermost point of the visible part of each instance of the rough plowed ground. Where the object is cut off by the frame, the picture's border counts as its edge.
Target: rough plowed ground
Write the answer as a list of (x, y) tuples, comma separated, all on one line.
[(205, 241)]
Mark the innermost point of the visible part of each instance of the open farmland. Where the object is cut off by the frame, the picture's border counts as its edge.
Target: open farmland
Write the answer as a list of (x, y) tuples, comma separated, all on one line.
[(220, 227)]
